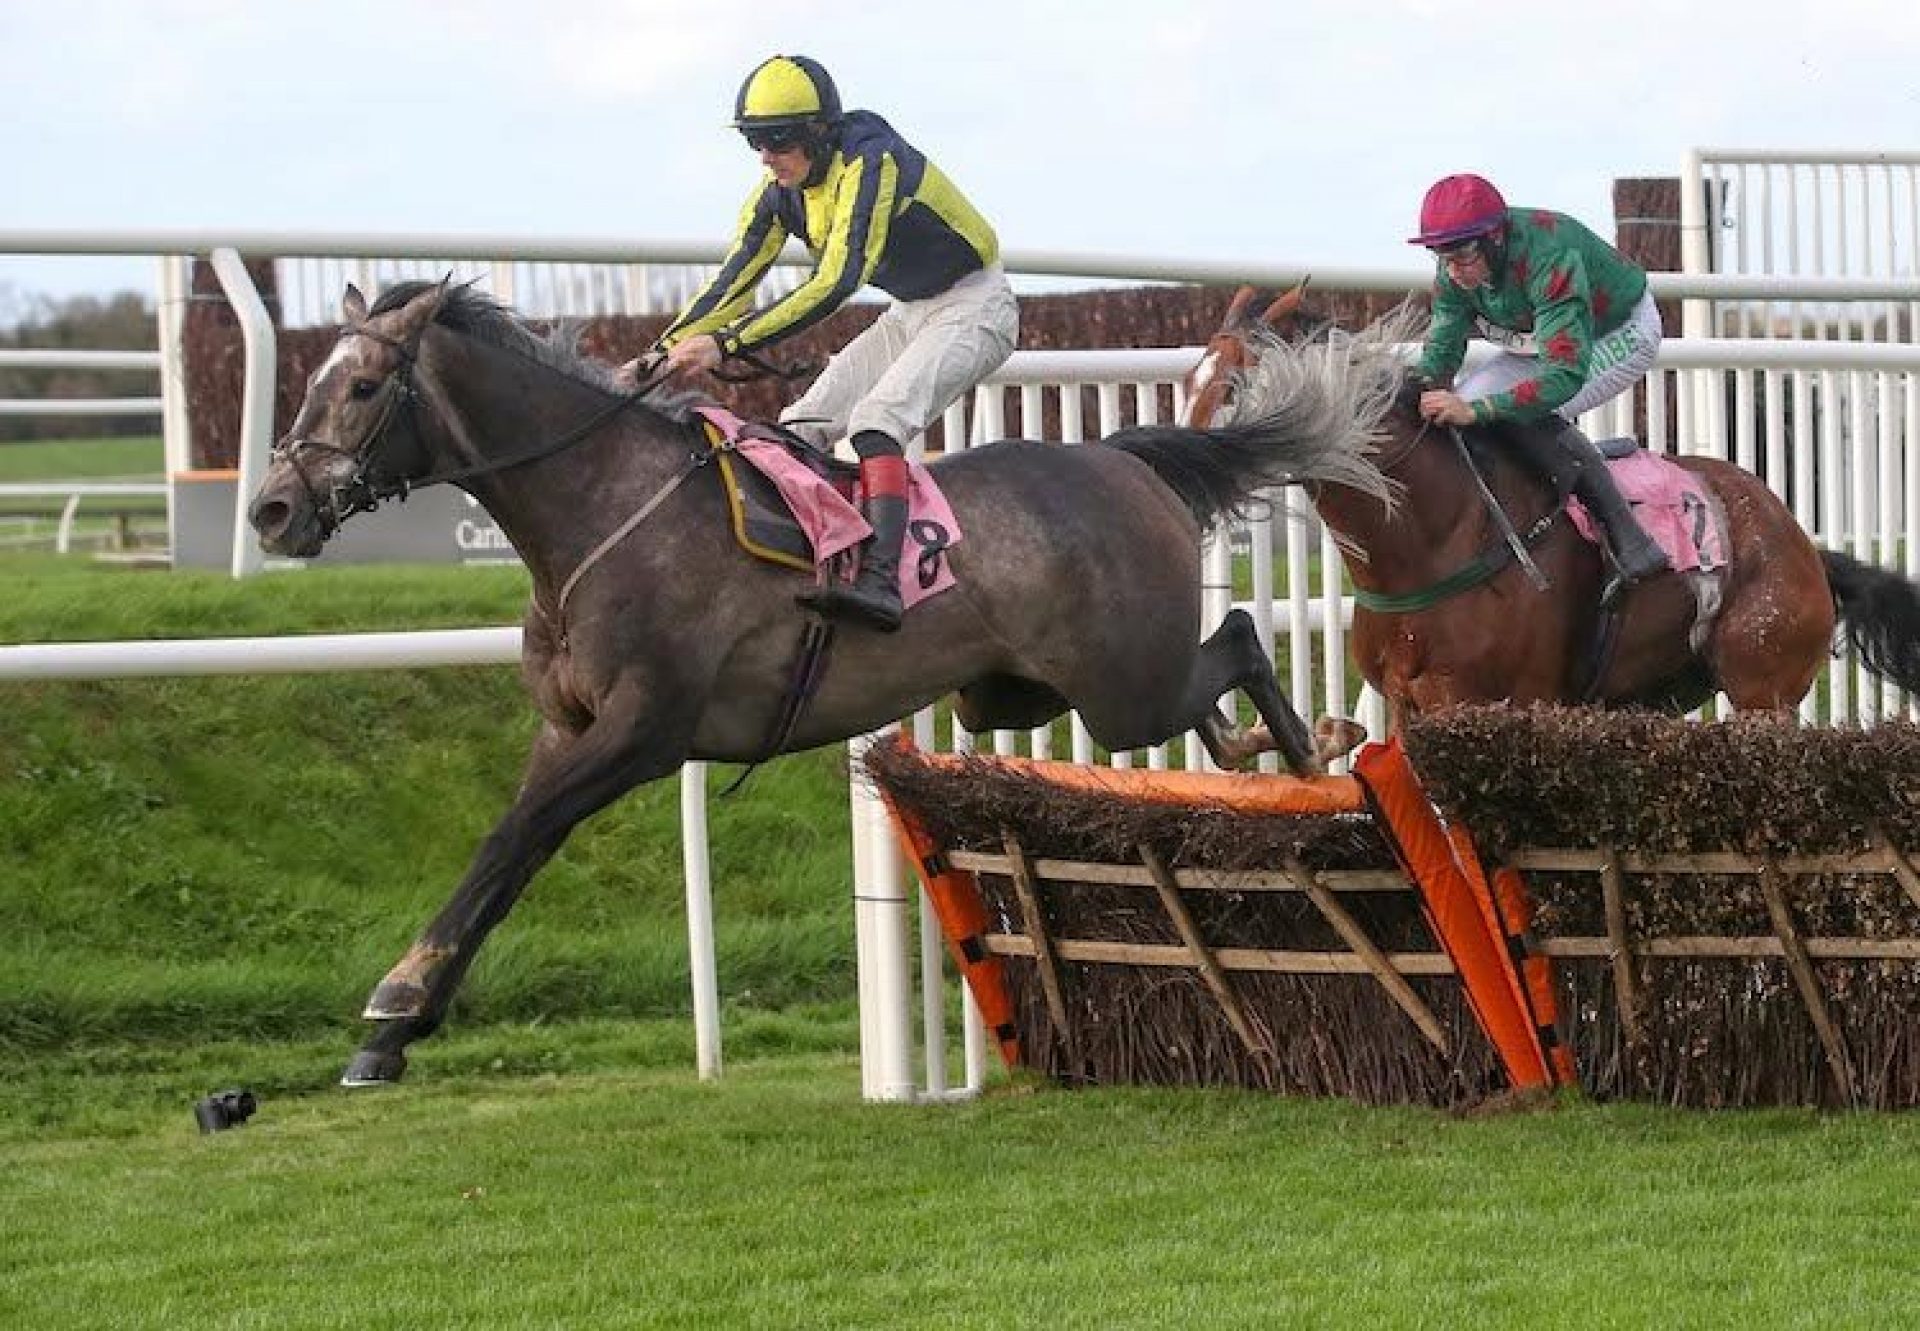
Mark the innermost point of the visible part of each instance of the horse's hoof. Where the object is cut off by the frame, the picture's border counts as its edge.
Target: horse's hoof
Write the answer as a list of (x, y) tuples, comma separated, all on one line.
[(1336, 737), (371, 1068), (394, 1000)]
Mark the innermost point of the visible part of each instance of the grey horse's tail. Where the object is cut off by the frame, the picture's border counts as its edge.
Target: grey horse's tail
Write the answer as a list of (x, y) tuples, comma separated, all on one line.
[(1881, 611), (1308, 412), (1215, 472)]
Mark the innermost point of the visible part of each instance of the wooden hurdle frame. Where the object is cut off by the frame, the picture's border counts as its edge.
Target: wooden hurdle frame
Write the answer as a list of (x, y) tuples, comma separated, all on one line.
[(1459, 899), (1480, 912), (1624, 953)]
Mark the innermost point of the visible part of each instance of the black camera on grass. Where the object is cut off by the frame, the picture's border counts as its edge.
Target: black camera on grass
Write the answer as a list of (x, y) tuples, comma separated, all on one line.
[(225, 1109)]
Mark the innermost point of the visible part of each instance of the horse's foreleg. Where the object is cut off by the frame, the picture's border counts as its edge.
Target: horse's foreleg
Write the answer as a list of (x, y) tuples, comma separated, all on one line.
[(568, 778), (1233, 658)]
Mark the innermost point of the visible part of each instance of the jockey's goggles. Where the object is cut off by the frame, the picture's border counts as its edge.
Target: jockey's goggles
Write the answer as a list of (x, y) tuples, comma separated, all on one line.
[(784, 138)]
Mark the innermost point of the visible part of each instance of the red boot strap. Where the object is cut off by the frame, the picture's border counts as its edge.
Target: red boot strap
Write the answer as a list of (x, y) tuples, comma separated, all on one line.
[(884, 477)]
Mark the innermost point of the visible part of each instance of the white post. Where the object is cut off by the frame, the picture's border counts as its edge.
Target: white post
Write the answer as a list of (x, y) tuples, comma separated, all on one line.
[(697, 866), (1695, 252), (1216, 603), (176, 437), (881, 941), (256, 401), (63, 535), (975, 1027), (933, 999), (500, 278)]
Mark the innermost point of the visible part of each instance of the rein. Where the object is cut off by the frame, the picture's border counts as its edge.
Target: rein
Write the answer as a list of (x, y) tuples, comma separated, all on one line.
[(758, 367)]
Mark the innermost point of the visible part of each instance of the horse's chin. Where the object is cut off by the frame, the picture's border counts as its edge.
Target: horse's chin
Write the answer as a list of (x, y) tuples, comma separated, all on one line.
[(305, 549)]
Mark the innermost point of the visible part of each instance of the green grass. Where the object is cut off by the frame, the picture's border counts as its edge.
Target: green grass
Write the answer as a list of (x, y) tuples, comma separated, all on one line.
[(102, 520), (131, 458), (234, 857), (200, 879), (635, 1196), (49, 599)]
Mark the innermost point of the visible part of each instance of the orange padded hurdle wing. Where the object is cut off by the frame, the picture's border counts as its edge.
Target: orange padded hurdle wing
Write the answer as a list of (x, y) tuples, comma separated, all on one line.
[(962, 913), (1453, 910), (1509, 910)]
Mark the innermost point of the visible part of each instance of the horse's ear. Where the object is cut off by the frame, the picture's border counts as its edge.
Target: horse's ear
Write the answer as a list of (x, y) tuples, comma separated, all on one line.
[(353, 306), (417, 313), (1288, 305), (1237, 310)]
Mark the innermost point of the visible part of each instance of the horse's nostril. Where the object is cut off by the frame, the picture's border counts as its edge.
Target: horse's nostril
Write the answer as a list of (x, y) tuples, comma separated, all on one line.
[(270, 516)]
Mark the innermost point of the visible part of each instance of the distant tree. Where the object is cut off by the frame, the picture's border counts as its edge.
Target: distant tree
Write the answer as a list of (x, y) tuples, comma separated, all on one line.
[(120, 322)]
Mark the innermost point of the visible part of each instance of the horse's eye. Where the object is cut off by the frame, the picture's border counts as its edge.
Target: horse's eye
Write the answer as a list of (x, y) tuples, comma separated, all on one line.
[(362, 389)]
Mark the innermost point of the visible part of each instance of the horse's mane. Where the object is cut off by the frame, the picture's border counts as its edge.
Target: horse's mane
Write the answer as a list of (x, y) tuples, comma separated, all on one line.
[(473, 313), (1334, 386)]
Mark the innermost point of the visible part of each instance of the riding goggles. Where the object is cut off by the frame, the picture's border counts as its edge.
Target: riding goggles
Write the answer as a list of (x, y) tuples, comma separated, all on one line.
[(784, 139)]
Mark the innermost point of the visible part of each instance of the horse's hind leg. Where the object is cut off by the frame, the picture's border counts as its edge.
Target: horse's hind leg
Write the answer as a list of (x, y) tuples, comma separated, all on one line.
[(1233, 658), (568, 779)]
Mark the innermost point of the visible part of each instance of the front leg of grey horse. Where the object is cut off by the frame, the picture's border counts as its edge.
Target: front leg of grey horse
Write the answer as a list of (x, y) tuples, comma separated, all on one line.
[(568, 779)]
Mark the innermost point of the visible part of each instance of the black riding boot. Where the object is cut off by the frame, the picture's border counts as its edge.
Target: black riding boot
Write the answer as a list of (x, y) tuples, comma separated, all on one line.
[(873, 598), (1635, 554)]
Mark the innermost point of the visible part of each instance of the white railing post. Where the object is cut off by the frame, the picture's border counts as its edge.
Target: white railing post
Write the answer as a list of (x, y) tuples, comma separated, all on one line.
[(256, 400), (176, 435), (698, 870), (881, 943)]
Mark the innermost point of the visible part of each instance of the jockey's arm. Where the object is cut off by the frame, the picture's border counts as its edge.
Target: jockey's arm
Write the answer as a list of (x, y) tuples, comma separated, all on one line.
[(756, 244), (856, 239), (1446, 344)]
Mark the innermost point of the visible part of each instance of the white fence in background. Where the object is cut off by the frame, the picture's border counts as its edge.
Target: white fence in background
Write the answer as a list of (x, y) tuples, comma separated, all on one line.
[(509, 262), (309, 288), (1835, 427), (47, 359), (72, 494), (1796, 214)]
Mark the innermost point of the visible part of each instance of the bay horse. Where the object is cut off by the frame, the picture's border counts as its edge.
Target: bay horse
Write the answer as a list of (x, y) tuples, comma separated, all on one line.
[(1445, 614), (652, 639)]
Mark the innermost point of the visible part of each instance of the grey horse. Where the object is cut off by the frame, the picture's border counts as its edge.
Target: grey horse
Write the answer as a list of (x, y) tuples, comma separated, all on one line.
[(652, 639)]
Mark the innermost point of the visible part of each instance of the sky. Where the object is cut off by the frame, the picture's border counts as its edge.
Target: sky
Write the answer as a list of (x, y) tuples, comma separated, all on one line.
[(1257, 131)]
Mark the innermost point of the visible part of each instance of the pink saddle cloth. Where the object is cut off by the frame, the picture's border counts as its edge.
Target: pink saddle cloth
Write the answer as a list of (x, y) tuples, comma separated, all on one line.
[(1672, 505), (832, 522)]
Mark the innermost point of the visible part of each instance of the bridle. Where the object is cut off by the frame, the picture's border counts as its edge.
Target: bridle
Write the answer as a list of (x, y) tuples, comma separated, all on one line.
[(380, 473), (371, 481)]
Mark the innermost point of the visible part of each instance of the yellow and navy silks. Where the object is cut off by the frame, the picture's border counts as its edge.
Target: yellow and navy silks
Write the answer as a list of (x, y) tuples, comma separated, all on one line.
[(877, 212)]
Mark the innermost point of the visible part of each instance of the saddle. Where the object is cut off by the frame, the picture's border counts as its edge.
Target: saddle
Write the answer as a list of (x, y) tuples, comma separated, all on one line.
[(1682, 516), (763, 522), (1676, 510), (794, 505)]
